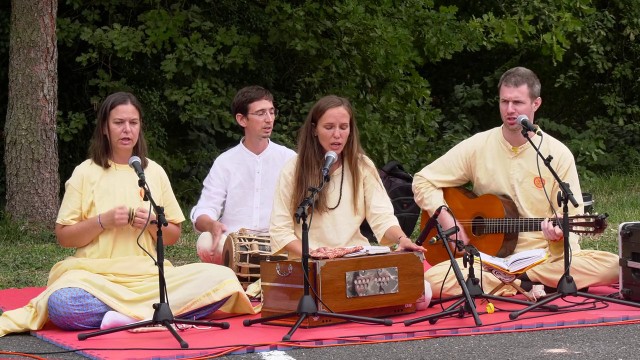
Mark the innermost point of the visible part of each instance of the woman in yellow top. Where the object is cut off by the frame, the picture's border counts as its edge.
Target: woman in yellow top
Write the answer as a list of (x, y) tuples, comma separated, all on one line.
[(111, 279), (354, 192)]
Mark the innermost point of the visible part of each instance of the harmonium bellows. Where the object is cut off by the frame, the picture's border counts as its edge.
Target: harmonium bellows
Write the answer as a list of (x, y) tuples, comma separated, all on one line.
[(373, 286)]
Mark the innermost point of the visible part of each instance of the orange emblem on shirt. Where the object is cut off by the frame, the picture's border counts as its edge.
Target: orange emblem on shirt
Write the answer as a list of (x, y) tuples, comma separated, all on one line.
[(538, 182)]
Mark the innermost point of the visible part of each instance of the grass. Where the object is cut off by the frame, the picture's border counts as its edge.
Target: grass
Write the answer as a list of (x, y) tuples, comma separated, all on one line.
[(617, 195), (26, 257)]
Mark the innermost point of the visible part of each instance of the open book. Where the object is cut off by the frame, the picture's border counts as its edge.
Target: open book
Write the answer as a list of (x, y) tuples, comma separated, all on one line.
[(516, 263), (370, 250)]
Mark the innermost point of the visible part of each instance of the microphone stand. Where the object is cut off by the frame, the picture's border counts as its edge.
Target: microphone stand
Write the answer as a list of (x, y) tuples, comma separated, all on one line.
[(307, 305), (162, 314), (471, 288), (566, 286), (466, 302)]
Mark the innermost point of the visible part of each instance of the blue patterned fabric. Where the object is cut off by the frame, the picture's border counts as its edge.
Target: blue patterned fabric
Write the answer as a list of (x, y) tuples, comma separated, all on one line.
[(76, 309), (203, 311)]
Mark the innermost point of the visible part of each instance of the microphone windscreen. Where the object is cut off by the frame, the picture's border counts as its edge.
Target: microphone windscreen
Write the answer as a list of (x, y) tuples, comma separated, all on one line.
[(134, 159), (332, 155), (522, 118)]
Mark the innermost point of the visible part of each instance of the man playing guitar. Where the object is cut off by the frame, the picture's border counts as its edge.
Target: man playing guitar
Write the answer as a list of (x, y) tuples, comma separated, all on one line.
[(500, 161)]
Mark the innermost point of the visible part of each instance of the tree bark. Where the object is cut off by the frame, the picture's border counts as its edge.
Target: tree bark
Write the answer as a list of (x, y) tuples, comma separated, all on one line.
[(31, 155)]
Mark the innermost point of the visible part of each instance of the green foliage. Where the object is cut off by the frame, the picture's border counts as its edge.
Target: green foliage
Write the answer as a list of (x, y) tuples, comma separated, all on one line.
[(185, 62), (600, 84), (422, 75), (171, 58), (584, 53), (363, 51)]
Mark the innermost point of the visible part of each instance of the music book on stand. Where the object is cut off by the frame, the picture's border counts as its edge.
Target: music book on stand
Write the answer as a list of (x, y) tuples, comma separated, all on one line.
[(516, 263), (370, 250)]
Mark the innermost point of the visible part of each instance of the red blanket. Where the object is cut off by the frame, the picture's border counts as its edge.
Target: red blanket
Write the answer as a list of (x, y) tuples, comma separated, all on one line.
[(260, 337)]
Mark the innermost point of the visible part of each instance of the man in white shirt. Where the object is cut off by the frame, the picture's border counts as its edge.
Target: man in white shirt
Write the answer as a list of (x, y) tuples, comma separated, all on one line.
[(238, 191)]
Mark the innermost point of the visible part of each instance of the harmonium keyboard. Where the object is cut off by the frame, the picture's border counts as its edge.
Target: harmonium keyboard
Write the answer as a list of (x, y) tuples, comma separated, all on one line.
[(372, 286)]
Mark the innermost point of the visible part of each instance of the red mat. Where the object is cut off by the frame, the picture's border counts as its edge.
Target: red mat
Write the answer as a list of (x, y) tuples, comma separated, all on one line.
[(574, 312)]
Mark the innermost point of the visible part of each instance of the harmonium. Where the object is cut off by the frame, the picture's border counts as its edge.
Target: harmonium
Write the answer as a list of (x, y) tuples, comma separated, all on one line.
[(372, 286)]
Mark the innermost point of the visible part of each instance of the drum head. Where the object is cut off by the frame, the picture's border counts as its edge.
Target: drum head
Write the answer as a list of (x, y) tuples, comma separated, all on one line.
[(228, 253)]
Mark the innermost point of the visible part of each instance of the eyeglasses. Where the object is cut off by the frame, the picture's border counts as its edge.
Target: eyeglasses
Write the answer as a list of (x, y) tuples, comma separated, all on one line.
[(263, 113)]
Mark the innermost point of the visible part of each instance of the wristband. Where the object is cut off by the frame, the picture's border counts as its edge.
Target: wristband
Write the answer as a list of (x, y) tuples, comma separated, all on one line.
[(400, 237), (100, 222)]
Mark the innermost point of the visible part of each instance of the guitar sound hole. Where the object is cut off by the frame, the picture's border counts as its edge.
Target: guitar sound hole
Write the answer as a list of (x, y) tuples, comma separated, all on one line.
[(478, 226)]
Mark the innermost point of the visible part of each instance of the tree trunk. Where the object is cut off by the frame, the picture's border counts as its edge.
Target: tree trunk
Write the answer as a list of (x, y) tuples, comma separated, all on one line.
[(31, 155)]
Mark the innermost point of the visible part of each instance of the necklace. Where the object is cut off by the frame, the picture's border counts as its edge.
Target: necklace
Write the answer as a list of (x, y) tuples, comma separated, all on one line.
[(341, 182)]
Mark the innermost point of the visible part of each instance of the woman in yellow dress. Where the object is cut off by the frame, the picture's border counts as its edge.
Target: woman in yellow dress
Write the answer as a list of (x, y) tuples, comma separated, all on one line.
[(112, 279)]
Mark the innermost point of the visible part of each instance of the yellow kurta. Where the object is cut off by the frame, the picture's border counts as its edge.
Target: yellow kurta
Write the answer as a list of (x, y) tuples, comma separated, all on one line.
[(113, 267), (493, 166), (339, 227)]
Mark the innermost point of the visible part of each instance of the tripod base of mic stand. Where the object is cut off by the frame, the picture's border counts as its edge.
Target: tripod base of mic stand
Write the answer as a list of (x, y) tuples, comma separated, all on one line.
[(567, 287), (461, 307), (307, 307), (161, 316)]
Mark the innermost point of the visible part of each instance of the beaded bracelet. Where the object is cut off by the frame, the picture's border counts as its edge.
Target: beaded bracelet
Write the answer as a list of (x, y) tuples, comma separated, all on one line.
[(100, 222)]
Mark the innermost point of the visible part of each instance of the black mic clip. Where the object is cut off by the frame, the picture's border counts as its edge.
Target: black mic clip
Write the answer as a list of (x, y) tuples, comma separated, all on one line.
[(301, 212), (470, 252)]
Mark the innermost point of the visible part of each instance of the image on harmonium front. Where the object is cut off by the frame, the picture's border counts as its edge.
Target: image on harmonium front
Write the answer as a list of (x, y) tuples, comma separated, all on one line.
[(368, 282), (372, 282)]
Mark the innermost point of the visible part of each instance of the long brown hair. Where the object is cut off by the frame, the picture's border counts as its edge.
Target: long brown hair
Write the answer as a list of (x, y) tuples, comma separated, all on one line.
[(100, 148), (311, 153)]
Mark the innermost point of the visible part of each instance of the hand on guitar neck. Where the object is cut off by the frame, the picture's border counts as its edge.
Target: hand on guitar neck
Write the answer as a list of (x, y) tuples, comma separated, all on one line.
[(551, 231)]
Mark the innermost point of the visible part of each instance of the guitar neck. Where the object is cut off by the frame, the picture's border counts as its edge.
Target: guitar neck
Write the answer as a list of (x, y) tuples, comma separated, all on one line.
[(507, 225)]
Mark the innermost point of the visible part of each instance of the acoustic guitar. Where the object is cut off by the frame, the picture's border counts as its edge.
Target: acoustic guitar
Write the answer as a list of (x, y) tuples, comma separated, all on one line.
[(492, 223)]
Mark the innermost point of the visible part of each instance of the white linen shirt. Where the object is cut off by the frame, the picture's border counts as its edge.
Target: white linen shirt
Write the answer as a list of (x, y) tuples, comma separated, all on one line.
[(239, 189)]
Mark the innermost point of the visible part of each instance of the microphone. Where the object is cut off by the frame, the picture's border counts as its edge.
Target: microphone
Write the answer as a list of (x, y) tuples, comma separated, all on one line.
[(136, 164), (429, 226), (523, 120), (445, 233), (329, 159)]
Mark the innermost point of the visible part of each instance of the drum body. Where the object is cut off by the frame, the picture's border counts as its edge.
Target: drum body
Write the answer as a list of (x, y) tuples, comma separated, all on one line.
[(243, 250)]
